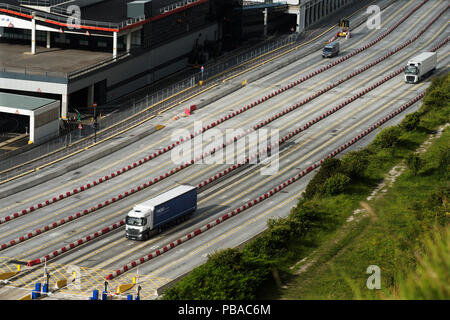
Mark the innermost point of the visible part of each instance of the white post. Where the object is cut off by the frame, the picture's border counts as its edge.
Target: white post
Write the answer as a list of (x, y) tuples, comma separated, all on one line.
[(301, 16), (90, 96), (64, 105), (33, 35), (114, 44), (129, 41), (265, 22), (48, 40)]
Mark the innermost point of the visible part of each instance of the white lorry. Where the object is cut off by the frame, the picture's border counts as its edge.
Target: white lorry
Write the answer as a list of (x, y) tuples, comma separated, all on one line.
[(149, 217), (420, 66)]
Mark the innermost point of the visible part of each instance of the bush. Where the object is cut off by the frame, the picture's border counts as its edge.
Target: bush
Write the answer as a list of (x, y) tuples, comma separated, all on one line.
[(411, 121), (328, 168), (414, 163), (437, 94), (335, 184), (444, 160), (388, 138), (310, 215), (355, 163), (229, 274)]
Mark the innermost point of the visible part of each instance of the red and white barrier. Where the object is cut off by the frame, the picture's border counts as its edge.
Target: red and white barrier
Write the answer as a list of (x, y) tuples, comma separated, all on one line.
[(75, 244)]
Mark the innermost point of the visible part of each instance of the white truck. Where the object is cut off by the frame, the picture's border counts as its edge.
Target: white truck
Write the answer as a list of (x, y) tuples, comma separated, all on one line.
[(149, 217), (420, 66)]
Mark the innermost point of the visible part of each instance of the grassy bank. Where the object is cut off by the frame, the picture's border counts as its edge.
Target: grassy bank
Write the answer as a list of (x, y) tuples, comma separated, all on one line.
[(388, 233)]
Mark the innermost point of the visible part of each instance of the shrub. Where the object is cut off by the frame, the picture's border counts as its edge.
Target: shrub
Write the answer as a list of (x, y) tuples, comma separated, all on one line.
[(328, 168), (414, 163), (310, 215), (444, 160), (355, 163), (388, 137), (228, 274), (335, 184), (411, 121)]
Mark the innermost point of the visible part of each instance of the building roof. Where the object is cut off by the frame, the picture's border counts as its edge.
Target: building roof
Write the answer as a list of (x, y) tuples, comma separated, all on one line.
[(17, 101)]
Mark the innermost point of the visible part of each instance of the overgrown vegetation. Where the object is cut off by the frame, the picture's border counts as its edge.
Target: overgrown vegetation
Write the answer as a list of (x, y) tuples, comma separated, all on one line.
[(416, 206)]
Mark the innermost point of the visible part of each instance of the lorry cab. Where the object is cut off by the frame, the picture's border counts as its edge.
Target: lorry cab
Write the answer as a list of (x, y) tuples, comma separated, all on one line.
[(138, 223), (420, 66), (331, 50)]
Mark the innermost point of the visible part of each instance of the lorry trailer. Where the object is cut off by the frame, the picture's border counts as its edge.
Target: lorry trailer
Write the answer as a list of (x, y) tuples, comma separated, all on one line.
[(149, 217), (420, 66)]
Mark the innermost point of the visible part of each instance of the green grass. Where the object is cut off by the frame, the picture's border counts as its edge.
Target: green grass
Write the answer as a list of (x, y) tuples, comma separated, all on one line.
[(391, 241)]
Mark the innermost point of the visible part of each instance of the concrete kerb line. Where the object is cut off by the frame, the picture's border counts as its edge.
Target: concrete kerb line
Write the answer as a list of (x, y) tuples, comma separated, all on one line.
[(262, 197), (30, 171), (82, 188)]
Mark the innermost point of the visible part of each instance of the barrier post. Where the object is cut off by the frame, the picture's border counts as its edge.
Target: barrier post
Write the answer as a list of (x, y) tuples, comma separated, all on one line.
[(94, 295), (37, 291)]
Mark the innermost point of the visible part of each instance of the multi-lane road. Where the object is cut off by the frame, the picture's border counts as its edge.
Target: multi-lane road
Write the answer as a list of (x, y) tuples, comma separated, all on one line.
[(317, 104)]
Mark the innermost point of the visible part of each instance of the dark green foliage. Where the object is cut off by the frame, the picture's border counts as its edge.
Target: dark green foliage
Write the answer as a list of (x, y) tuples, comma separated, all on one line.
[(328, 168), (438, 94), (414, 163), (311, 215), (335, 184), (229, 274), (388, 138), (444, 160), (355, 163), (411, 121)]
